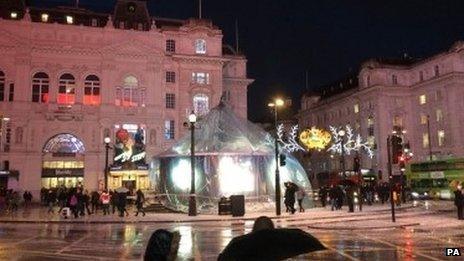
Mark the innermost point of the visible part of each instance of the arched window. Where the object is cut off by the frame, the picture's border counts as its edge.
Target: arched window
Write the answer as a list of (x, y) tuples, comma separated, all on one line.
[(40, 85), (200, 46), (64, 143), (130, 95), (2, 86), (92, 90), (200, 104), (66, 89)]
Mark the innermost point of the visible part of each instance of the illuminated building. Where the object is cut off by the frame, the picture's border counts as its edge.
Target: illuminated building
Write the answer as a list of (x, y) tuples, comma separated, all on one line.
[(393, 94), (70, 77)]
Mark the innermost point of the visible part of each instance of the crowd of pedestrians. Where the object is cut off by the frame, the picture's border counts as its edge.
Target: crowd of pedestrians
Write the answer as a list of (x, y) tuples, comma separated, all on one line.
[(9, 200), (79, 202), (337, 195)]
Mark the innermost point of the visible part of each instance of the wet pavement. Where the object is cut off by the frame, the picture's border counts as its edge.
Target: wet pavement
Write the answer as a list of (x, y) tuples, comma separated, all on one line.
[(420, 234)]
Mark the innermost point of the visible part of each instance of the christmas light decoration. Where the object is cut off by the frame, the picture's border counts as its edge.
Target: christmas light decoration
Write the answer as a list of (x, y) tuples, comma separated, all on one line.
[(289, 144), (315, 138), (350, 144)]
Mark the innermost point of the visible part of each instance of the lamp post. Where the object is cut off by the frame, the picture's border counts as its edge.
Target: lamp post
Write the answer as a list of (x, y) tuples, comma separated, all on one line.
[(341, 133), (192, 199), (276, 104), (107, 141), (428, 137)]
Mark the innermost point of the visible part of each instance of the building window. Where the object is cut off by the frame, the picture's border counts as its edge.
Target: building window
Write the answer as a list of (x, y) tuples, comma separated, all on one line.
[(200, 104), (398, 121), (94, 22), (170, 46), (421, 76), (438, 95), (425, 140), (200, 46), (69, 19), (44, 17), (66, 89), (171, 77), (441, 137), (422, 99), (226, 95), (6, 145), (200, 78), (356, 108), (370, 126), (40, 85), (170, 101), (92, 90), (130, 95), (439, 114), (11, 93), (423, 118), (169, 129), (2, 86), (14, 15), (394, 79), (437, 70)]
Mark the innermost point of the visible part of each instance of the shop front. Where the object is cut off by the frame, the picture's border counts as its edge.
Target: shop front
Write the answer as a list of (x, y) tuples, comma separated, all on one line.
[(63, 162), (130, 179)]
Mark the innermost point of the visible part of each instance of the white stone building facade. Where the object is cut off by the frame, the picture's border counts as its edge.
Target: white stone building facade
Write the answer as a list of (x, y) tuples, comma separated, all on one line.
[(388, 94), (70, 77)]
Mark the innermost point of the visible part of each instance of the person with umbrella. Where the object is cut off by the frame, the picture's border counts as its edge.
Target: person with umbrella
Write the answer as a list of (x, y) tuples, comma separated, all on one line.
[(268, 243)]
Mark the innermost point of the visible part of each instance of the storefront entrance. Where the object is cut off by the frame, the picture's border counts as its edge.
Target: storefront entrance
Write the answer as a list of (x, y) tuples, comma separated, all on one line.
[(130, 179), (63, 162)]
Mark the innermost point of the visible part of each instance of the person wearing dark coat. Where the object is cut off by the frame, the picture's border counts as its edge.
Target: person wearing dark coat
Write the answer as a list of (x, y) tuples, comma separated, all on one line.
[(122, 201), (95, 200), (350, 198), (333, 197), (323, 195), (50, 198), (290, 197), (139, 202), (459, 201)]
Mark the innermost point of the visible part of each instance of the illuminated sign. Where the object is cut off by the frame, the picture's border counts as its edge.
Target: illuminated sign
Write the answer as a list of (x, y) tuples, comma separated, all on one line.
[(130, 146), (315, 138)]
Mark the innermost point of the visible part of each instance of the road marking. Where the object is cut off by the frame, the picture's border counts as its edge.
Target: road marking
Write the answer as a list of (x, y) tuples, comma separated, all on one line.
[(342, 253), (73, 243), (399, 247)]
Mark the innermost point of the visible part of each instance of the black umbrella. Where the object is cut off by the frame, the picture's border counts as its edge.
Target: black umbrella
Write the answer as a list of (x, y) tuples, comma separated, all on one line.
[(271, 244)]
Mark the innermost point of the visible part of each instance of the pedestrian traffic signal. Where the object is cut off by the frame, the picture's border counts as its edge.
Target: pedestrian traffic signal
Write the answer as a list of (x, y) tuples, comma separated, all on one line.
[(282, 159), (397, 148)]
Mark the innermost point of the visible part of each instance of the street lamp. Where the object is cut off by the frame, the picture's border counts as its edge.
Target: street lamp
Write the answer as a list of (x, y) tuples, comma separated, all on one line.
[(341, 133), (192, 199), (107, 141), (276, 104)]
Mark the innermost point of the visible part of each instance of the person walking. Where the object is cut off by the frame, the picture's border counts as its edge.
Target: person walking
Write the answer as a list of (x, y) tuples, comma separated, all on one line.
[(333, 197), (86, 200), (290, 196), (459, 201), (62, 198), (139, 202), (105, 201), (73, 201), (50, 199), (14, 201), (323, 195), (122, 201), (114, 198), (300, 195), (95, 200), (350, 198)]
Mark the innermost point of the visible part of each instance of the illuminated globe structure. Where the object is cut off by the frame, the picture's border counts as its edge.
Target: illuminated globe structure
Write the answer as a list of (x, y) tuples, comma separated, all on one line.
[(232, 157)]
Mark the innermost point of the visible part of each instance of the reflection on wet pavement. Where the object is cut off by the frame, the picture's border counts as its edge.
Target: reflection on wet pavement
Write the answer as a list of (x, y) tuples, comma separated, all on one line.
[(204, 241)]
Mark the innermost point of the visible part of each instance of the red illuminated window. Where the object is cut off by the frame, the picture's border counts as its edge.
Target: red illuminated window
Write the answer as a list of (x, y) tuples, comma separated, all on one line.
[(40, 86), (92, 90), (66, 89)]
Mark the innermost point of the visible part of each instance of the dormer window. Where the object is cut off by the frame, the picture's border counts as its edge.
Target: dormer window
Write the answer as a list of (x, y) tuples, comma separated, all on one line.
[(200, 46), (14, 15), (94, 22), (69, 19), (44, 17)]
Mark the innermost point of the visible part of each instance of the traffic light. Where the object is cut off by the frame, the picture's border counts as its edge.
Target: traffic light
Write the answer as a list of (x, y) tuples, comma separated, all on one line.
[(356, 164), (397, 148), (402, 162), (282, 159)]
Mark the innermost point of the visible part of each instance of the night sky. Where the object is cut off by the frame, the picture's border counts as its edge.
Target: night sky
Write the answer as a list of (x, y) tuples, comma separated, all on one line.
[(329, 38)]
